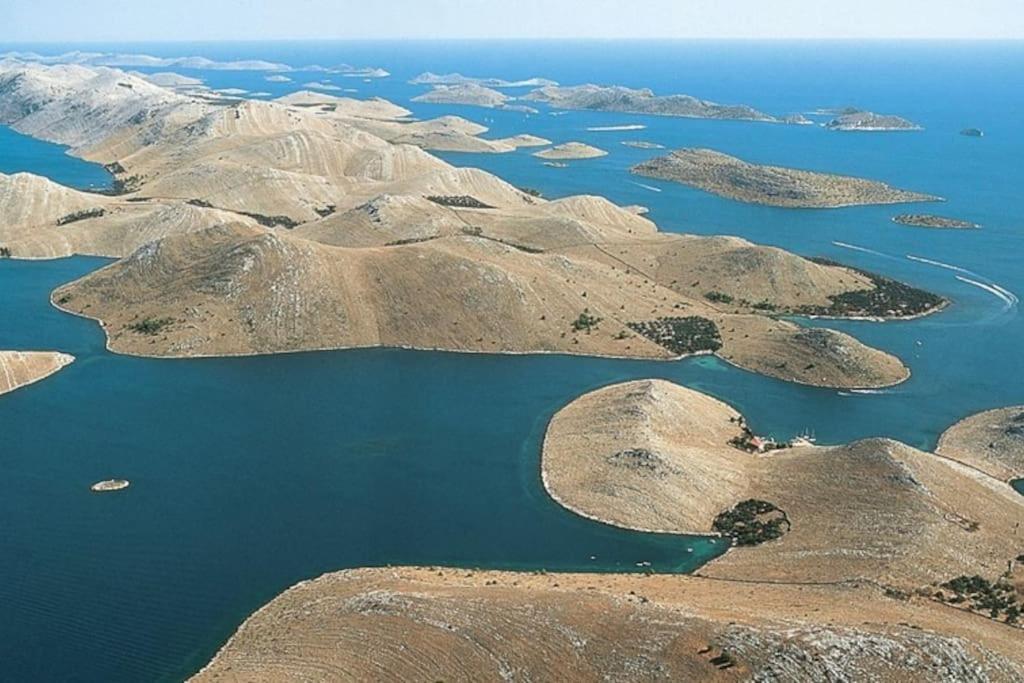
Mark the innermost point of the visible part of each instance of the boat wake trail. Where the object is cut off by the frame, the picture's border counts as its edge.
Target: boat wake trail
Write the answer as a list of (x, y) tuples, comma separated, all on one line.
[(1008, 297), (646, 187), (846, 245), (940, 264), (865, 392)]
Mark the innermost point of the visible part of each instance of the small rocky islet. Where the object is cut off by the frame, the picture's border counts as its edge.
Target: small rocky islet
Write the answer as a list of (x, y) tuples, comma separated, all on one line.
[(927, 220), (110, 485), (571, 150), (851, 119)]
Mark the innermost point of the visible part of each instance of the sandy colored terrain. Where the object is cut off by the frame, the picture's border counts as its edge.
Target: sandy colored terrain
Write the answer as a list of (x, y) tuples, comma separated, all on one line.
[(51, 221), (19, 368), (242, 290), (571, 150), (654, 455), (526, 140), (734, 178), (311, 223), (457, 625), (992, 441)]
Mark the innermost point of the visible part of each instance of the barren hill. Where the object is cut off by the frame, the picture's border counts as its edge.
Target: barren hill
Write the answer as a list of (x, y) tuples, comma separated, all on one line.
[(240, 290), (655, 455), (444, 624)]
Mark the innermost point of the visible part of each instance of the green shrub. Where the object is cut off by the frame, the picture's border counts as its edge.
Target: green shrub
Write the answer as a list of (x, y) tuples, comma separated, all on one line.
[(586, 322), (150, 326), (718, 297)]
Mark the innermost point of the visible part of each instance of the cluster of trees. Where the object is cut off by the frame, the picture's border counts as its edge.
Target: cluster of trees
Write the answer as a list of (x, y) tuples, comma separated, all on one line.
[(752, 522), (462, 201), (81, 215), (272, 221), (998, 599), (682, 335), (888, 298)]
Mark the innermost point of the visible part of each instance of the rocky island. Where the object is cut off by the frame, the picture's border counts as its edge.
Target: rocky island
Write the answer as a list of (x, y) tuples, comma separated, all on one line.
[(644, 101), (927, 220), (20, 368), (472, 95), (734, 178), (853, 120), (642, 144), (109, 485), (571, 150), (429, 78)]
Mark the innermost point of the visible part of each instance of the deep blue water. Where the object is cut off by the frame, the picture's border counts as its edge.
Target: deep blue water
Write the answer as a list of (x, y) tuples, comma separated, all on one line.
[(19, 153), (251, 474)]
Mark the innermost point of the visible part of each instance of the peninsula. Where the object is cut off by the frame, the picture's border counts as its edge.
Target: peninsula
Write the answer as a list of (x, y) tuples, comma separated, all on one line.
[(652, 455), (643, 101), (21, 368), (927, 220), (571, 150), (734, 178)]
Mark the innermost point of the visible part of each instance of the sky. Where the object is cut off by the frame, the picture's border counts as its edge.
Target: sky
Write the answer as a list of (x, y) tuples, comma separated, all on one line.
[(171, 20)]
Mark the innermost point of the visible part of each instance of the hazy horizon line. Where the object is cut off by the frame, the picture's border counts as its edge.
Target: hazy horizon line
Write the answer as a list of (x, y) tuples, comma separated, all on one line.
[(616, 39)]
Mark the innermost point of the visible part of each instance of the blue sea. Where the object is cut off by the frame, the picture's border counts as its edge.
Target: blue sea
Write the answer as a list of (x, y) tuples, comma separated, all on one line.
[(251, 474)]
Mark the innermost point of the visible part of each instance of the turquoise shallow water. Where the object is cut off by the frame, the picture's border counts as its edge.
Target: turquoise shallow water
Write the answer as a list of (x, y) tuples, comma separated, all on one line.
[(251, 474)]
